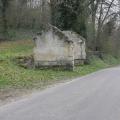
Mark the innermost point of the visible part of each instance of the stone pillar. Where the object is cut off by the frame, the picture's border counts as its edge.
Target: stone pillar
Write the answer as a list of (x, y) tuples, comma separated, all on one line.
[(70, 61)]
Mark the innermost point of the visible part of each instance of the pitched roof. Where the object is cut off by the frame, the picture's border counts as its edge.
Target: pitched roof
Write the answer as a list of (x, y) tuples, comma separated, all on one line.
[(73, 36), (69, 36)]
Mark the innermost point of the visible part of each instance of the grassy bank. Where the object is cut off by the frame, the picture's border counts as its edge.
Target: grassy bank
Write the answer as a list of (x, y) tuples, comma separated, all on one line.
[(16, 77)]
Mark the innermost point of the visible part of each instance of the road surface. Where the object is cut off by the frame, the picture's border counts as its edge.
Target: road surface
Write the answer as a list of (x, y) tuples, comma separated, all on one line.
[(93, 97)]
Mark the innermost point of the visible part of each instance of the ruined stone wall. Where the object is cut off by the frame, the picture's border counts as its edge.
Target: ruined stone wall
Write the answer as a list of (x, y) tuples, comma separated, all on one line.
[(51, 51), (59, 48)]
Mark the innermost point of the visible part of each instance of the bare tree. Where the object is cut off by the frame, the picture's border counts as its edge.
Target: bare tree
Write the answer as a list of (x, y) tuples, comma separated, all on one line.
[(101, 12)]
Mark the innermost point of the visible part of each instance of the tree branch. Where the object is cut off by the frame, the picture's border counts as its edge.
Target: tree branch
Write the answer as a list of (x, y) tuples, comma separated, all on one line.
[(107, 12)]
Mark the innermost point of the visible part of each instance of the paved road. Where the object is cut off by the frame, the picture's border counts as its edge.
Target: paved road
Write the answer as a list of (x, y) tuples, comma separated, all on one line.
[(93, 97)]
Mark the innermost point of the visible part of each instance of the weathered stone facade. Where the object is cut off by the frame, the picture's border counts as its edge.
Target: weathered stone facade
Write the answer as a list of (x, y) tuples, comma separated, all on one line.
[(58, 48)]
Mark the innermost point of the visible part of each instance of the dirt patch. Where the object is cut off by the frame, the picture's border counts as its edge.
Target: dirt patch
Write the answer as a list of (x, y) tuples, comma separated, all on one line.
[(10, 95), (26, 62)]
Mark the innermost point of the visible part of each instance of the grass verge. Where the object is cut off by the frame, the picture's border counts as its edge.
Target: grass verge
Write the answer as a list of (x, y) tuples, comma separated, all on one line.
[(15, 77)]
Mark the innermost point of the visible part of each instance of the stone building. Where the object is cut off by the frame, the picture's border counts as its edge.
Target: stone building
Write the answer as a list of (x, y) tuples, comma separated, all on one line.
[(54, 47)]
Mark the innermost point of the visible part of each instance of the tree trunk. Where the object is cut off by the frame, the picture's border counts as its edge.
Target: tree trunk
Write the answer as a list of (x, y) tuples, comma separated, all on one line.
[(4, 20)]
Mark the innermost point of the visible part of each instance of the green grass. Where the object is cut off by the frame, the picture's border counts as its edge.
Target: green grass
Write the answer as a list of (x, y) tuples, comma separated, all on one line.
[(16, 77), (20, 34)]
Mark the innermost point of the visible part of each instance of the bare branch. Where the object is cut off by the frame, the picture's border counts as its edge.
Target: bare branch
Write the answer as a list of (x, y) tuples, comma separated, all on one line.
[(107, 12)]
